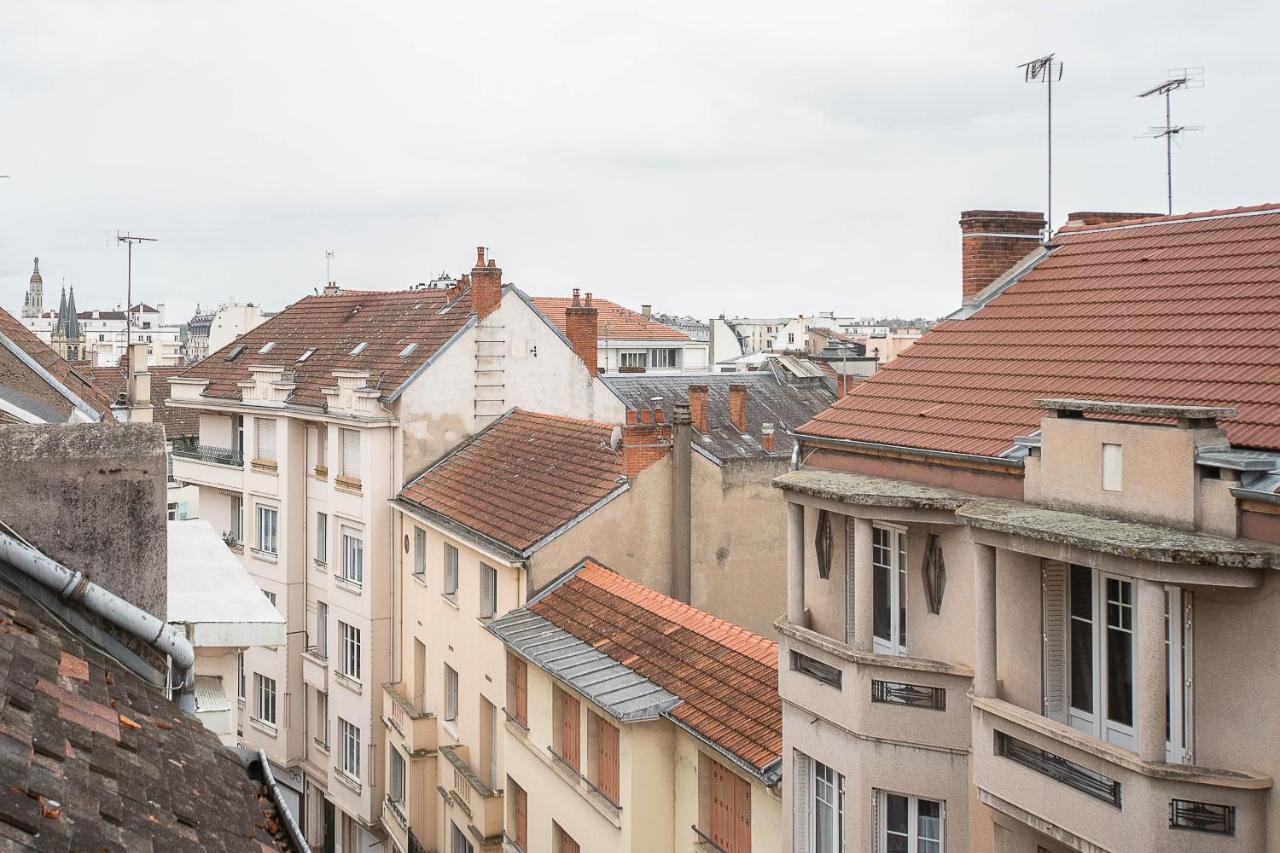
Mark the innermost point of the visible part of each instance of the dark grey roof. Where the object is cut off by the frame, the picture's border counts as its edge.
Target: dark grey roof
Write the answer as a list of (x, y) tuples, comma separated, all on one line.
[(625, 694), (769, 400)]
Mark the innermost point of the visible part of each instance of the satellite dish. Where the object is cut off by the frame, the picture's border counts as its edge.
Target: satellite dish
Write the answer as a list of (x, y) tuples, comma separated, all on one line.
[(615, 438)]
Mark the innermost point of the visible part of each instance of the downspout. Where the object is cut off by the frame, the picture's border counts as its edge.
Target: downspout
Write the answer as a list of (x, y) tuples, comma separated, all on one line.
[(259, 769), (74, 587), (681, 504)]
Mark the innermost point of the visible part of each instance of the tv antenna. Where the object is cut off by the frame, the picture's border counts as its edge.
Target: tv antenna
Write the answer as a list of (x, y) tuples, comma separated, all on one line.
[(1048, 70), (128, 240), (328, 256), (1179, 78)]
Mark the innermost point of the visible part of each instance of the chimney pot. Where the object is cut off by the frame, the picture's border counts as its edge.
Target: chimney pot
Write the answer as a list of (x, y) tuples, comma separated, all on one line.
[(738, 407), (766, 437), (993, 241), (479, 256), (659, 416), (581, 325)]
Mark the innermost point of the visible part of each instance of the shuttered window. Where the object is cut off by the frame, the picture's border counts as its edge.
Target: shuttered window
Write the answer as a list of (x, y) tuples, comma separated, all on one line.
[(350, 440), (604, 736), (265, 432), (488, 590), (419, 552), (1053, 586), (568, 734), (519, 814), (564, 843), (450, 570), (801, 777), (518, 690), (729, 807)]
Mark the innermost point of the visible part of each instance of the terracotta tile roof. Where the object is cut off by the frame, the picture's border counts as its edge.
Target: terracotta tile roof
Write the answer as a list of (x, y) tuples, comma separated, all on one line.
[(523, 477), (56, 365), (725, 676), (614, 322), (94, 758), (1182, 309), (386, 321), (113, 381)]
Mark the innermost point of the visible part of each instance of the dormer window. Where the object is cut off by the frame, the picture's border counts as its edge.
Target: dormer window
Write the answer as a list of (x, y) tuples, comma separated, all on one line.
[(407, 351), (267, 347), (235, 352), (359, 348), (306, 355)]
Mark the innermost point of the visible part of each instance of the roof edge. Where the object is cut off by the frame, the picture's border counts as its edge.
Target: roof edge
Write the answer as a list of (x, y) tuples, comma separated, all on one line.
[(55, 383), (422, 368), (1002, 461), (1194, 216)]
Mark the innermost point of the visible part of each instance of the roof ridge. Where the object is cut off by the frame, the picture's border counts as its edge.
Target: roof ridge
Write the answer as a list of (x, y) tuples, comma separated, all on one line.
[(1191, 216)]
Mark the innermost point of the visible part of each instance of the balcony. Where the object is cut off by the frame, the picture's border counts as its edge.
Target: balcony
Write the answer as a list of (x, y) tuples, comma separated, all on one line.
[(1092, 796), (205, 465), (481, 804), (416, 730), (315, 669)]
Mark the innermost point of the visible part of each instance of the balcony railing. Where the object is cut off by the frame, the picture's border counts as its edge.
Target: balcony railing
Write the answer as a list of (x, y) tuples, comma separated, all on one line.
[(188, 448)]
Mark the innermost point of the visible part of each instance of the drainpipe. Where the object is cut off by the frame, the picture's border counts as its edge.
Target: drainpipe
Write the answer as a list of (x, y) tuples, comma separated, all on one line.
[(681, 504), (72, 586)]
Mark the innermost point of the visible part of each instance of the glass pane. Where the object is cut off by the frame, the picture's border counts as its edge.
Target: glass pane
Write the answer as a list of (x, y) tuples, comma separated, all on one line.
[(1120, 676), (822, 840), (895, 843), (881, 602), (1082, 639), (929, 821), (896, 813), (1082, 593), (902, 607)]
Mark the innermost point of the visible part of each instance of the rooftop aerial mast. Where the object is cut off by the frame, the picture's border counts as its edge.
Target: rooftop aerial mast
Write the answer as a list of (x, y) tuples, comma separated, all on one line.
[(1048, 70), (1179, 78)]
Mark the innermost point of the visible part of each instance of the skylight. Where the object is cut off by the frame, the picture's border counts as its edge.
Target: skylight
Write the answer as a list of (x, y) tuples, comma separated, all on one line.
[(267, 347), (404, 353), (235, 352), (306, 355), (359, 348)]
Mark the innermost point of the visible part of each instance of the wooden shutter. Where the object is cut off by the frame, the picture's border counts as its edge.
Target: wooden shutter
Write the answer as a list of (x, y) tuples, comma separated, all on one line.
[(487, 597), (730, 810), (801, 778), (607, 771), (849, 609), (518, 676), (570, 732), (1055, 623), (350, 453), (521, 814), (567, 844)]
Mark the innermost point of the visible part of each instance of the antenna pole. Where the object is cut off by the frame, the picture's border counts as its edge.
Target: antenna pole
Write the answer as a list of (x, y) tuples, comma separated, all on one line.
[(1168, 144), (1185, 78), (1048, 225), (1033, 72), (129, 240)]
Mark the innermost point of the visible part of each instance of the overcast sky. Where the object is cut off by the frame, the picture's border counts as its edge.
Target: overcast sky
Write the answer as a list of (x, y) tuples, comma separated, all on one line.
[(740, 157)]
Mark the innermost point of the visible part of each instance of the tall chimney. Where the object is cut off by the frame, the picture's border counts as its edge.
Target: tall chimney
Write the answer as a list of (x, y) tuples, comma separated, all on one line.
[(486, 285), (646, 311), (582, 327), (766, 437), (646, 438), (681, 505), (738, 407), (993, 242), (138, 384), (698, 407)]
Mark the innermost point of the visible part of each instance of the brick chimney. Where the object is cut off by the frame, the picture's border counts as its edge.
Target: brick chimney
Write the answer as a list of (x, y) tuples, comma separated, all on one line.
[(486, 285), (646, 438), (582, 326), (1104, 217), (698, 407), (738, 407), (993, 241), (766, 437)]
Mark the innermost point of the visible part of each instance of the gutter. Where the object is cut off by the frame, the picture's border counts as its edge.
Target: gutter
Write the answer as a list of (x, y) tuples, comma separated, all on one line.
[(72, 586), (256, 764), (913, 451)]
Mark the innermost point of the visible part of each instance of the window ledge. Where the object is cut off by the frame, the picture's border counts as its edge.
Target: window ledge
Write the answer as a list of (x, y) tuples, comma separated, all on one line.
[(265, 556), (451, 727), (354, 685), (346, 484), (263, 726), (348, 585), (235, 548), (846, 652), (321, 745), (419, 578), (451, 600), (321, 565), (264, 466), (347, 779), (320, 473)]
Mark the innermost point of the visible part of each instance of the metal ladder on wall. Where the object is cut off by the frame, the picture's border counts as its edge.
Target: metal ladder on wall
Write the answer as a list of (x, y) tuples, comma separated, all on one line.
[(491, 357)]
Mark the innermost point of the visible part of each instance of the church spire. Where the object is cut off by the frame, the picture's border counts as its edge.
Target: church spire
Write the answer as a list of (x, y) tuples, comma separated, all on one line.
[(33, 305)]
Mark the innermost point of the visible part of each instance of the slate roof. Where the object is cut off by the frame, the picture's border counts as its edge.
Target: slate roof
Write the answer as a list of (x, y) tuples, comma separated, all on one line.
[(613, 322), (725, 677), (58, 367), (386, 321), (1182, 309), (521, 478), (769, 400), (93, 758), (112, 381)]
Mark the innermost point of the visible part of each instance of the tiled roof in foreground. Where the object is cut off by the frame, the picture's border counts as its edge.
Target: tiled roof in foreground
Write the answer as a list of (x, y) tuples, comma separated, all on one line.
[(725, 677), (613, 322), (56, 366), (94, 758), (522, 478), (1182, 309)]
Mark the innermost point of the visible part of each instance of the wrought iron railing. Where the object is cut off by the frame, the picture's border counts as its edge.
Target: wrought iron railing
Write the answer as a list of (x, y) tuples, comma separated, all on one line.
[(911, 695), (1202, 817), (189, 448), (1056, 767)]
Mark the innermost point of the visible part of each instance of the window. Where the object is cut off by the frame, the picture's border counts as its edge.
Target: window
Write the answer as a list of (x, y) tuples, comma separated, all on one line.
[(322, 538), (519, 818), (724, 810), (322, 718), (267, 347), (450, 570), (264, 439), (349, 441), (828, 809), (264, 701), (602, 766), (395, 787), (908, 824), (635, 360), (450, 694), (349, 758), (237, 519), (816, 669), (518, 690), (458, 842), (359, 348), (322, 630), (267, 521), (420, 552), (1112, 467), (349, 660), (561, 841), (240, 676), (271, 596), (322, 448), (237, 433), (407, 351), (306, 354), (352, 556), (488, 590), (664, 359), (889, 566), (488, 743), (565, 722)]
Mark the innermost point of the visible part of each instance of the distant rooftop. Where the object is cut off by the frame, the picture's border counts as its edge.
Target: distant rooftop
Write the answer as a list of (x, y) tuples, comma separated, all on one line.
[(614, 323)]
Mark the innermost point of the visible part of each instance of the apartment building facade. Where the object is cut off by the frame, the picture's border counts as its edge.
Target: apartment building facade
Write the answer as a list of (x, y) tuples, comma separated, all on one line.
[(307, 425), (1020, 585)]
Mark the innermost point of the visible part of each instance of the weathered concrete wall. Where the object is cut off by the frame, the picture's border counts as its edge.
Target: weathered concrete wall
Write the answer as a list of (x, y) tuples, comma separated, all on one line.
[(92, 496)]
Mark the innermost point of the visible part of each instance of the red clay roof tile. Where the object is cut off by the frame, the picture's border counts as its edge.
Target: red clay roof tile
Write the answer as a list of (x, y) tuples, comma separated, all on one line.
[(56, 365), (613, 321)]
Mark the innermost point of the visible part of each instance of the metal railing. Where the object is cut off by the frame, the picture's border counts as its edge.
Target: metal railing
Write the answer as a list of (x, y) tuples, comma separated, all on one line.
[(1060, 769), (189, 448)]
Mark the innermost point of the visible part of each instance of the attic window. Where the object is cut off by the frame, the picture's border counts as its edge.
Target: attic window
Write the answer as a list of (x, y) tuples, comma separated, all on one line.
[(306, 355), (235, 352), (359, 348), (267, 347), (407, 351)]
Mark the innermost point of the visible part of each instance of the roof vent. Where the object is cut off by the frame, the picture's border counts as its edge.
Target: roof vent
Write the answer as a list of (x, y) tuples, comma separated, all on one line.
[(359, 348), (235, 352), (404, 353), (267, 347), (306, 355)]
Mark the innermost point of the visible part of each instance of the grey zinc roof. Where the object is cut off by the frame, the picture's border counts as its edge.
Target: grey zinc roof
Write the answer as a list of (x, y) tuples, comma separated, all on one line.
[(769, 400), (617, 689)]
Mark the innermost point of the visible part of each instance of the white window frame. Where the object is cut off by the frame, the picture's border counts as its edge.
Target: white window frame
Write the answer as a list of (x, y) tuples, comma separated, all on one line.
[(451, 558), (634, 359), (237, 519), (659, 357), (896, 551), (835, 822), (352, 556), (322, 539), (349, 752), (419, 553), (349, 653), (264, 699), (396, 777), (1095, 721), (264, 428), (240, 680), (322, 714), (268, 529), (488, 591), (322, 630), (349, 450), (913, 823)]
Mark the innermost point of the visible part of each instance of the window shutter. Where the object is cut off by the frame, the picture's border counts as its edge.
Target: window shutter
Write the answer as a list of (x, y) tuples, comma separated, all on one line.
[(522, 817), (571, 739), (1053, 586), (351, 453), (486, 590), (801, 777), (741, 814), (266, 439), (522, 692), (875, 820), (607, 758), (848, 581)]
